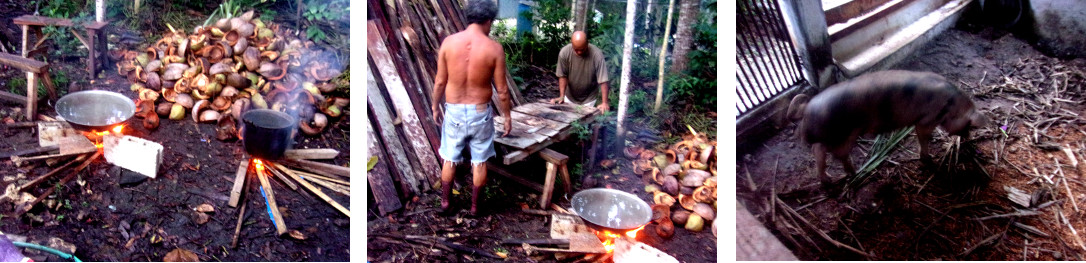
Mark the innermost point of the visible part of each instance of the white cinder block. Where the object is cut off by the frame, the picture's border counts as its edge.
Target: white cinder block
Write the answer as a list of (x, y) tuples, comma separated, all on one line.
[(133, 153)]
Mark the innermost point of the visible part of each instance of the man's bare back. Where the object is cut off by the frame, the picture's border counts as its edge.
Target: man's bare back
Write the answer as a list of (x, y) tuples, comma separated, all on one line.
[(471, 61)]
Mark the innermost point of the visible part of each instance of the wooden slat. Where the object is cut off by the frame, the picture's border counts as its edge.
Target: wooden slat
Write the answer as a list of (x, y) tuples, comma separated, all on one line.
[(397, 60), (539, 110), (402, 102), (380, 182), (33, 20), (24, 64), (311, 154), (317, 191), (518, 138), (8, 96), (538, 125), (273, 208), (517, 156), (318, 167), (239, 183), (411, 175)]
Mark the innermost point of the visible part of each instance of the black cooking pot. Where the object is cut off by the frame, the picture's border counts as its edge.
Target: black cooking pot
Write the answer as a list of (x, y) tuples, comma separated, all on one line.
[(267, 133)]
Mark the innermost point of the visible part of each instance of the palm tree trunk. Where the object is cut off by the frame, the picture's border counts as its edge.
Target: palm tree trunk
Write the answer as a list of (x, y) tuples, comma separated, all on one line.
[(663, 55), (624, 86), (684, 37)]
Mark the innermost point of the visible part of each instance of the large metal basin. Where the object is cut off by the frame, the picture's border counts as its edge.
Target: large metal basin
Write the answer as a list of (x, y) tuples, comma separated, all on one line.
[(611, 208), (95, 108)]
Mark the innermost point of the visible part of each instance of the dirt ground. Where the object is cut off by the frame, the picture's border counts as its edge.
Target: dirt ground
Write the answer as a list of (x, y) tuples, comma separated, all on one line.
[(109, 222), (948, 212), (502, 201)]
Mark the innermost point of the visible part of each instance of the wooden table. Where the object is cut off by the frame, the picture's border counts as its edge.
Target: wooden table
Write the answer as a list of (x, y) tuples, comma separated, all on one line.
[(95, 40), (536, 126)]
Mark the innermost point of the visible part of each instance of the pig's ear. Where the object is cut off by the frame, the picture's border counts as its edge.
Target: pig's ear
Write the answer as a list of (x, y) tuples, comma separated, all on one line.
[(978, 120)]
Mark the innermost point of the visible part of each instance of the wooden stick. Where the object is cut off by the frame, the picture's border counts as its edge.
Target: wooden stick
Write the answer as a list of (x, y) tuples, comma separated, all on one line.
[(315, 190), (269, 197), (544, 241), (311, 154), (42, 178), (333, 187), (321, 177), (30, 151), (282, 178), (237, 229), (824, 236), (63, 181), (239, 183), (319, 167)]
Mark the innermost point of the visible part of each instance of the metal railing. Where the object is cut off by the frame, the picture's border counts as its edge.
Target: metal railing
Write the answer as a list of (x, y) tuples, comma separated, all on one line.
[(766, 58)]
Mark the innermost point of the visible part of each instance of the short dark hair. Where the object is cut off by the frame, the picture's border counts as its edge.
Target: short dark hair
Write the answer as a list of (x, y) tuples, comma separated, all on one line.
[(480, 11)]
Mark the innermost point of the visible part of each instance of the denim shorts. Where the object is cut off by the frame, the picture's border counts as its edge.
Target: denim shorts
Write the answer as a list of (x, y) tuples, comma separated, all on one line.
[(469, 126)]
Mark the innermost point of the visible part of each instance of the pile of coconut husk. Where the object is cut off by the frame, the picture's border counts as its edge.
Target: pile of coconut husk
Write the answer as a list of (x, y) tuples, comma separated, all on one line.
[(685, 174), (218, 72)]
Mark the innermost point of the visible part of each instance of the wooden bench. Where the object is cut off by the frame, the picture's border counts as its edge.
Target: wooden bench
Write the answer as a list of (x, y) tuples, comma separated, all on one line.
[(33, 69), (95, 37)]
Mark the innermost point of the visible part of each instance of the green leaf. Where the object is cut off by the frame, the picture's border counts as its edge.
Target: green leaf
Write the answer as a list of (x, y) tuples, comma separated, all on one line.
[(372, 162)]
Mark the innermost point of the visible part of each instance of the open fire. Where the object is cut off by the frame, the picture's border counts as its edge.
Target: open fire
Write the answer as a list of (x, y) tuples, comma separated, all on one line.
[(96, 136), (608, 237)]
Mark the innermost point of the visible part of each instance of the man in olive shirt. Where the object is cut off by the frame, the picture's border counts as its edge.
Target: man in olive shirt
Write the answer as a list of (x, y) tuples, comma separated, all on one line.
[(582, 74)]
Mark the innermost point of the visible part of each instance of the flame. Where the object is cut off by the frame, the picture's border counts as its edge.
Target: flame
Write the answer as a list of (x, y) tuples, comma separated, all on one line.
[(118, 129), (259, 164), (609, 238)]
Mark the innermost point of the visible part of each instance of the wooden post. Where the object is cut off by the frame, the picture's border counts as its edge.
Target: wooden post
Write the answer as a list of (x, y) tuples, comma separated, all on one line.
[(806, 23), (100, 9), (311, 154), (269, 196), (91, 37), (548, 186), (26, 32), (31, 95)]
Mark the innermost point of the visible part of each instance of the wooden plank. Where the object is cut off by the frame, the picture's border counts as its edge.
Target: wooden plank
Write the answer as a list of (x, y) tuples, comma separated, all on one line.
[(315, 191), (24, 64), (553, 156), (318, 167), (404, 168), (539, 110), (311, 154), (518, 138), (575, 108), (29, 151), (269, 197), (239, 183), (4, 95), (517, 156), (538, 125), (384, 194), (41, 21), (410, 120), (398, 59), (755, 242), (321, 177)]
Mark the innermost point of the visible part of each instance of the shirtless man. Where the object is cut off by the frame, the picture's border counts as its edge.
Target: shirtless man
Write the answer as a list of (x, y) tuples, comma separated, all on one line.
[(582, 74), (466, 65)]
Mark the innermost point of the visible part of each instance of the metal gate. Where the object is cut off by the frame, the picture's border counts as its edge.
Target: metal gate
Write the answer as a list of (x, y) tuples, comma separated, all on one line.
[(766, 58)]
